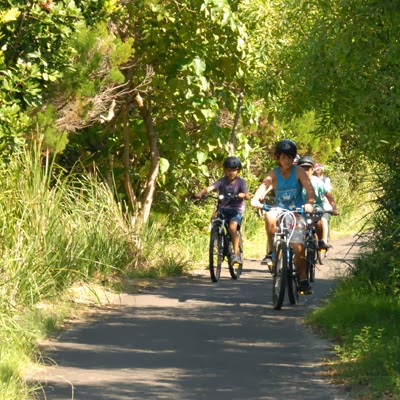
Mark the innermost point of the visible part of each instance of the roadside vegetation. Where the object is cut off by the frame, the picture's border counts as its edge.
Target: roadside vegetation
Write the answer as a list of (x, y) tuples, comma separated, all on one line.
[(361, 316), (113, 113)]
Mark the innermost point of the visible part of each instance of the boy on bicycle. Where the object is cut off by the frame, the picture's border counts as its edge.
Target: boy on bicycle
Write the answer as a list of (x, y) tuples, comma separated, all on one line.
[(321, 192), (235, 191), (288, 181)]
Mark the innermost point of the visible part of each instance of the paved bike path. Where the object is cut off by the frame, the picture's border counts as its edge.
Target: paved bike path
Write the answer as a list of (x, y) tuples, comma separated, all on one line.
[(193, 339)]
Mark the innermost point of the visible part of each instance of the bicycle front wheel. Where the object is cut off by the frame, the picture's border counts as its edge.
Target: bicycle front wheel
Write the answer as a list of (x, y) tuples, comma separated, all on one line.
[(235, 270), (216, 253), (280, 272)]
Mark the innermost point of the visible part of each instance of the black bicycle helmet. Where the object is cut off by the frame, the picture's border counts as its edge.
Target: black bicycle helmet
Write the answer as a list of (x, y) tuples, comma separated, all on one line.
[(232, 162), (286, 146), (306, 161)]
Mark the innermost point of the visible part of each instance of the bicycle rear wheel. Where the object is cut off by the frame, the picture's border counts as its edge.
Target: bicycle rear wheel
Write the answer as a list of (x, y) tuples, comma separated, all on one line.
[(280, 273), (235, 270), (216, 254), (292, 283)]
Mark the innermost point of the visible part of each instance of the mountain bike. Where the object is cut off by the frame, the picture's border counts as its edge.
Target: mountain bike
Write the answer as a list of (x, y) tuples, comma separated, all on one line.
[(284, 271), (221, 246)]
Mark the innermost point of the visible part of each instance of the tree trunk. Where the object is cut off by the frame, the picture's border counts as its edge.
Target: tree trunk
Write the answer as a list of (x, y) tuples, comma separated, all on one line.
[(148, 194), (126, 161), (232, 143), (110, 164)]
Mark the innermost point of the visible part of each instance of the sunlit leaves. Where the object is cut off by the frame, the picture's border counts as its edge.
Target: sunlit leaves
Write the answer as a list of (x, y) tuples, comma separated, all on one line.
[(9, 15), (201, 157), (164, 165)]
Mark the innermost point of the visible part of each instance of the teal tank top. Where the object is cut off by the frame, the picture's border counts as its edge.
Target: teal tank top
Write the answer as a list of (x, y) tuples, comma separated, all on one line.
[(288, 192)]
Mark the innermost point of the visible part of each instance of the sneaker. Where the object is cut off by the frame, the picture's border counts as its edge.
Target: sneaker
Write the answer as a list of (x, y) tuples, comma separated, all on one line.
[(304, 287), (267, 260), (322, 245), (236, 260)]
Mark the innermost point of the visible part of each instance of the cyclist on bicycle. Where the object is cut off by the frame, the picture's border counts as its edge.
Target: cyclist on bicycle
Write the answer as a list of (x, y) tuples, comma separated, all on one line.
[(288, 181), (319, 171), (235, 191), (321, 192)]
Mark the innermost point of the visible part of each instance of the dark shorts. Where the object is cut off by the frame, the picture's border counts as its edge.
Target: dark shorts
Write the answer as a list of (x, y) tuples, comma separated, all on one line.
[(233, 215)]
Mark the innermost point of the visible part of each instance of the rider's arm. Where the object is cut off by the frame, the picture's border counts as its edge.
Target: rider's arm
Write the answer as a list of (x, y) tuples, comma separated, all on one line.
[(332, 203), (262, 190), (205, 191), (306, 183), (328, 184), (244, 195), (243, 192)]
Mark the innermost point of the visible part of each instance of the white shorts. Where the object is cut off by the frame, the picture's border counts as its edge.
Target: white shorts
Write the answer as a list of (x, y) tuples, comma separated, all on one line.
[(298, 235)]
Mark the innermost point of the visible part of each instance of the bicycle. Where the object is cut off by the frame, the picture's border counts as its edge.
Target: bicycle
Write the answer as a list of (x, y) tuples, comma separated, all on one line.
[(284, 270), (221, 244)]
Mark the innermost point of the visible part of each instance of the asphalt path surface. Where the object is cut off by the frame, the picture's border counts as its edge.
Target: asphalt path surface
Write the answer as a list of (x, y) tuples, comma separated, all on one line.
[(191, 339)]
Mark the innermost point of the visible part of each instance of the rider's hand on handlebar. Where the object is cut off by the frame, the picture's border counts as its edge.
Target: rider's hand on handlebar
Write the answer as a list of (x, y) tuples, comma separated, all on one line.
[(335, 212), (265, 207), (198, 196), (309, 208)]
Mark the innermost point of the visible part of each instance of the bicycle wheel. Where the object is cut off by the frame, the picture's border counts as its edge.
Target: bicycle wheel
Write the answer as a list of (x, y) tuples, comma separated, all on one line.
[(310, 262), (216, 253), (280, 272), (292, 283), (234, 270)]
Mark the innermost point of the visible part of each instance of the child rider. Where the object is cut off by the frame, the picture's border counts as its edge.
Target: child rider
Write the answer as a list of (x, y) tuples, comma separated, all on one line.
[(321, 192), (232, 208), (288, 181)]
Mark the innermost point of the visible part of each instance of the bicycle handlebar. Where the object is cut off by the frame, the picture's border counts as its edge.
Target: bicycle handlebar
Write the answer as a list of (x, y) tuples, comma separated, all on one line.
[(229, 196), (315, 213)]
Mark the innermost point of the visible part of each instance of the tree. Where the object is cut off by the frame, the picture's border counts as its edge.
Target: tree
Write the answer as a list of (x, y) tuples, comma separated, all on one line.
[(35, 51)]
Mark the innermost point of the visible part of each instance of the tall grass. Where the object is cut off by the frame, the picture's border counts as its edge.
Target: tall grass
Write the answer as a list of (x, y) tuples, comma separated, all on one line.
[(55, 231)]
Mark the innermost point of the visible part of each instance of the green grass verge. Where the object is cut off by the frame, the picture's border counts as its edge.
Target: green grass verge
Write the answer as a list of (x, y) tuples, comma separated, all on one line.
[(365, 325)]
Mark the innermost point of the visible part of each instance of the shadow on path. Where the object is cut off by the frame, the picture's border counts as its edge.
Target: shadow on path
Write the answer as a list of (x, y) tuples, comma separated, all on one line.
[(193, 339)]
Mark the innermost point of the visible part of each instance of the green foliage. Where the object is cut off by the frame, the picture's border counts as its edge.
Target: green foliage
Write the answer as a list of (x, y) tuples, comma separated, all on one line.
[(55, 231), (364, 323), (35, 52), (46, 126)]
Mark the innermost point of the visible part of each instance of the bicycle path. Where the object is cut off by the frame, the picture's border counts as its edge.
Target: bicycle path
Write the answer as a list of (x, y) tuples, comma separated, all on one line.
[(192, 339)]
